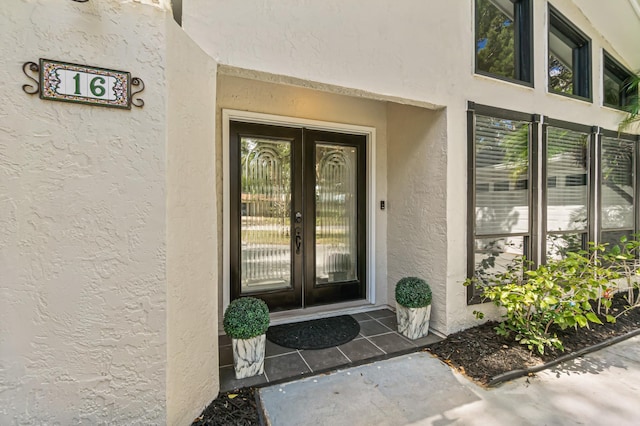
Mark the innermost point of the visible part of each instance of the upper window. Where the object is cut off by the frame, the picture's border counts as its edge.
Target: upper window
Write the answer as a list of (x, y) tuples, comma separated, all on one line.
[(504, 40), (616, 84), (569, 57)]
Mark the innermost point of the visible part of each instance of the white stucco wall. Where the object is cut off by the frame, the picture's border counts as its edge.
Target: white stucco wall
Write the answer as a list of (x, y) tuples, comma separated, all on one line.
[(412, 49), (417, 232), (192, 332), (107, 245), (419, 52)]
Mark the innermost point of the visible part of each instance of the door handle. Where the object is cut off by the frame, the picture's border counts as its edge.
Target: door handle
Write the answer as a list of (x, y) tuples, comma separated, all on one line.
[(298, 220)]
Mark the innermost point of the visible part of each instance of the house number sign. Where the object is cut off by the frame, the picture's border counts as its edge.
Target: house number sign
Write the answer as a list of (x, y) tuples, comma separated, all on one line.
[(61, 81)]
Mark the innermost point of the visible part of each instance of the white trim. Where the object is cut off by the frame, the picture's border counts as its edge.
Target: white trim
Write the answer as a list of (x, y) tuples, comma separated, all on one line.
[(255, 117)]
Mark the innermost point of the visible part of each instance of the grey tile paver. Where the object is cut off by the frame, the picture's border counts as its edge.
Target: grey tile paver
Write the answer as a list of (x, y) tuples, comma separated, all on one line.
[(228, 380), (360, 349), (372, 328), (322, 359), (381, 313), (391, 342), (284, 366), (226, 356), (271, 349)]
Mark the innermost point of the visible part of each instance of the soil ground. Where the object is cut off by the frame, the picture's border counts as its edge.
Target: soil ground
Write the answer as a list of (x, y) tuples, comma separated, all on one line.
[(481, 354), (231, 408), (477, 352)]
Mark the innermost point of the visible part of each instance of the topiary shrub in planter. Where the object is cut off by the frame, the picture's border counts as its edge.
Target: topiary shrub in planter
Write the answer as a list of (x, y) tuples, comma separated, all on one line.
[(413, 307), (246, 321)]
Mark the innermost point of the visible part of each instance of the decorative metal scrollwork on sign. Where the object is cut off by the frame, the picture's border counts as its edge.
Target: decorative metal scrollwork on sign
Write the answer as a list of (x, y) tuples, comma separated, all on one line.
[(137, 82), (62, 81), (28, 88)]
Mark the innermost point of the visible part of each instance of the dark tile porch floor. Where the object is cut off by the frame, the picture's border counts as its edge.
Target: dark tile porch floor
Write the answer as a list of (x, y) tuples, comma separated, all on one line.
[(378, 338)]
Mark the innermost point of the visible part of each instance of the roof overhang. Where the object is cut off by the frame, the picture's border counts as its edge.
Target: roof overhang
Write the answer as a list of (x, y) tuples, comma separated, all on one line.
[(619, 23)]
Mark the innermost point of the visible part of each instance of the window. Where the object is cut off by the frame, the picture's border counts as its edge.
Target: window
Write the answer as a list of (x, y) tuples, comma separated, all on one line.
[(504, 40), (567, 164), (569, 57), (616, 83), (501, 217), (618, 192), (588, 181)]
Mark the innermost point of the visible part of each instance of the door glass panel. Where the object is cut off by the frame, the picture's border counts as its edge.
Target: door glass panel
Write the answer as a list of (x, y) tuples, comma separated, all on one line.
[(265, 214), (336, 214)]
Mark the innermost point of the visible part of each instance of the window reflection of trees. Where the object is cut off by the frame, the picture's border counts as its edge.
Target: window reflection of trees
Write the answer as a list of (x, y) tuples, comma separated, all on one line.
[(495, 37)]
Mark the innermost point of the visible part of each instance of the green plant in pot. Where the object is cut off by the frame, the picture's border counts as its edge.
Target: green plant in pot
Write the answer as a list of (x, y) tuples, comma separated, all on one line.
[(413, 307), (246, 321)]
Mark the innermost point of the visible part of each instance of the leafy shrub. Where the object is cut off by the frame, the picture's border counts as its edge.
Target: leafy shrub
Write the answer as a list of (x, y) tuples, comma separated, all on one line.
[(412, 292), (245, 318), (624, 258), (555, 294)]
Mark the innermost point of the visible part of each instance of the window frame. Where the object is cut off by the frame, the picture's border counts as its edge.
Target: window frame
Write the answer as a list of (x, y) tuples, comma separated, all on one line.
[(530, 238), (609, 63), (523, 44), (590, 231), (581, 63), (538, 182), (635, 139)]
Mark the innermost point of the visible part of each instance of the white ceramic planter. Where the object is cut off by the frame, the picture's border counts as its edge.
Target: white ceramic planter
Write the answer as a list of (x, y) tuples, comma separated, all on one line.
[(413, 322), (248, 356)]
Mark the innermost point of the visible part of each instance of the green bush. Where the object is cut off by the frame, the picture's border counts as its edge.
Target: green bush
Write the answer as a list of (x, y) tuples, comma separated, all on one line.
[(245, 318), (558, 294), (412, 292), (623, 257)]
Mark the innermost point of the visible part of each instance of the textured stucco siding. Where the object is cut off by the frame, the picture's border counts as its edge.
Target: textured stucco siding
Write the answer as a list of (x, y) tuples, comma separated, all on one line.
[(192, 327), (417, 234), (82, 222)]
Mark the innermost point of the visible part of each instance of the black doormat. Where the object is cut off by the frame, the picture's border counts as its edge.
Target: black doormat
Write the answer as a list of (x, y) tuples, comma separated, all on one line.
[(315, 334)]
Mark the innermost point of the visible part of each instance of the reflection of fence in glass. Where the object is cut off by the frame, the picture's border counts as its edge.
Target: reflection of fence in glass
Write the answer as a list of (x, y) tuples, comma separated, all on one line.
[(336, 213), (496, 255), (558, 245), (265, 224)]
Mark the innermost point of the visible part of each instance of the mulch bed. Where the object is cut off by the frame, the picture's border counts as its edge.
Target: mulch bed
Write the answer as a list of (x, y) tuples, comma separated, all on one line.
[(231, 408), (477, 352), (481, 354)]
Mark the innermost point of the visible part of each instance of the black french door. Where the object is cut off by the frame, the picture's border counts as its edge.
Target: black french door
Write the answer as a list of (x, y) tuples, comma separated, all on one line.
[(298, 215)]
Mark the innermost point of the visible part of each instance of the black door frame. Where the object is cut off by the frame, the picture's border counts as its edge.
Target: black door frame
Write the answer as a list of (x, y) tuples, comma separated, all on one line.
[(316, 294), (300, 294), (274, 298)]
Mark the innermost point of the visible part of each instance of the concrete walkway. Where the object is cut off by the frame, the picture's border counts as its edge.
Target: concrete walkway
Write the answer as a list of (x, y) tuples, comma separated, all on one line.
[(602, 388)]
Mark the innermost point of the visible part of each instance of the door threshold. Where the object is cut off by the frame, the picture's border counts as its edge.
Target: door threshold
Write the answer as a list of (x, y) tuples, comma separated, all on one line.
[(324, 311)]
